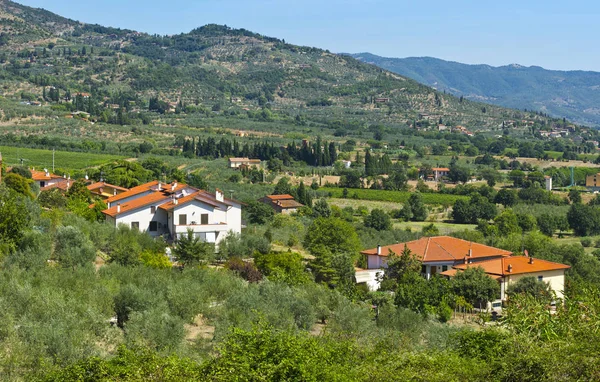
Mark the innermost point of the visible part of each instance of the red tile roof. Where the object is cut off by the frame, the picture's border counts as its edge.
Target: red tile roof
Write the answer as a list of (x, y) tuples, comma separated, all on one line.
[(41, 175), (441, 249), (441, 169), (133, 191), (201, 196), (280, 197), (518, 265), (154, 198), (97, 185)]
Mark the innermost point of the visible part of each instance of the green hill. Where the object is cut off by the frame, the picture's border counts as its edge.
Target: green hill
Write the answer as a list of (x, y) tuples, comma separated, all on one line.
[(213, 69), (571, 94)]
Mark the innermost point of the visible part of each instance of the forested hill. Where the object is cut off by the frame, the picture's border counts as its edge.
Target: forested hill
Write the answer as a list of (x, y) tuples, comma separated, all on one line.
[(214, 69), (571, 94)]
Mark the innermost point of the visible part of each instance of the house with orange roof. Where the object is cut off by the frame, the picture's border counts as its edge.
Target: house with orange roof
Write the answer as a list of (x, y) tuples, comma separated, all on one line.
[(283, 204), (509, 270), (437, 254), (171, 210), (45, 178), (439, 172)]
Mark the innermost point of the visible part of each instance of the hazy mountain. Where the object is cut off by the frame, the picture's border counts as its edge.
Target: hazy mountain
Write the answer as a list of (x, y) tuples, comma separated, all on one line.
[(571, 94)]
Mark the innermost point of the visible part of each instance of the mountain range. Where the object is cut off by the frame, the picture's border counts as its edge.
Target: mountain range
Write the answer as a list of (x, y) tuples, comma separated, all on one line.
[(574, 95), (216, 69)]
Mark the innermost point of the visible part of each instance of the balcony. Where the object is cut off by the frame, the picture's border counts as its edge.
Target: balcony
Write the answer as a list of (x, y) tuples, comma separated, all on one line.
[(200, 228)]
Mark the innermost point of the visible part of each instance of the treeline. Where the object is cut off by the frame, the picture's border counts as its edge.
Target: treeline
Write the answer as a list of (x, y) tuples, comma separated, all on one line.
[(319, 153)]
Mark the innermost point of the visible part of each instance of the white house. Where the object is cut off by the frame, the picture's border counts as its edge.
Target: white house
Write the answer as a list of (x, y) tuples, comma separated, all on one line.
[(45, 178), (437, 254), (508, 270), (173, 209)]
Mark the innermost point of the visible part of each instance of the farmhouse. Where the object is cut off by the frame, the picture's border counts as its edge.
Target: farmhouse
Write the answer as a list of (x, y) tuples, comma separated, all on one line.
[(437, 254), (283, 204), (243, 162), (439, 172), (593, 181), (45, 179), (508, 270), (172, 209)]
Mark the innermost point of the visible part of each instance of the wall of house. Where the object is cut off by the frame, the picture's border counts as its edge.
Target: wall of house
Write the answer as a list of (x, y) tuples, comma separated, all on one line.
[(232, 217), (144, 216), (556, 279)]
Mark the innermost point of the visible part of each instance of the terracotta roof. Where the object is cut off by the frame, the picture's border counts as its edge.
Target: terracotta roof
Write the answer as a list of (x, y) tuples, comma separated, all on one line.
[(518, 265), (150, 186), (133, 191), (62, 184), (244, 160), (280, 197), (201, 196), (41, 175), (440, 249), (154, 198), (440, 169), (97, 185), (288, 204)]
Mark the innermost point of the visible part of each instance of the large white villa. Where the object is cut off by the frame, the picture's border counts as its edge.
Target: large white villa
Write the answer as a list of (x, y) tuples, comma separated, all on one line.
[(173, 209)]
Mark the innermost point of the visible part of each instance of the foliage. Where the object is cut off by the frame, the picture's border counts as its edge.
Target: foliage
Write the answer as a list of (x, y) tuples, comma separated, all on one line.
[(378, 219), (286, 267), (475, 286), (191, 250)]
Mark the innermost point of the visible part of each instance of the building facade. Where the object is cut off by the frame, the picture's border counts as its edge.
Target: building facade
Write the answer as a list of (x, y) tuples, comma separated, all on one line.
[(171, 210)]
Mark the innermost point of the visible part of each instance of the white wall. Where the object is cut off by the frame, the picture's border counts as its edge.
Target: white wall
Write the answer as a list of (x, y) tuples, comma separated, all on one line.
[(232, 217), (144, 216), (556, 279)]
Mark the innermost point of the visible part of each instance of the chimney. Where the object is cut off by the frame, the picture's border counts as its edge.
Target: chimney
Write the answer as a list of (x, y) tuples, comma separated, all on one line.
[(173, 186), (115, 192), (159, 186), (219, 195), (175, 201), (470, 252), (46, 172), (87, 177), (509, 268), (379, 250), (531, 260), (118, 208), (466, 260)]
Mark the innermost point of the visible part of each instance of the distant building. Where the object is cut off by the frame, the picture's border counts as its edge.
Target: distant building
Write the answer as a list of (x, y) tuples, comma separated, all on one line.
[(382, 100), (439, 172), (593, 181), (243, 162), (45, 179), (283, 204)]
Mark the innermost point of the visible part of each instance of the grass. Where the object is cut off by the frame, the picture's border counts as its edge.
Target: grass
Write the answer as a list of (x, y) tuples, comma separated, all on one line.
[(65, 160), (369, 204), (393, 196)]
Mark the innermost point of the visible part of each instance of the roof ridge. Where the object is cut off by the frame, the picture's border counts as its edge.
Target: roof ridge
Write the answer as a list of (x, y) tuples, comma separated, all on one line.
[(443, 249), (426, 248)]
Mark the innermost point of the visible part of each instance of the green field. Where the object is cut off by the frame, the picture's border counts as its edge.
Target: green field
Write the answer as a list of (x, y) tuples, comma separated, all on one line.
[(392, 196), (445, 228), (40, 158)]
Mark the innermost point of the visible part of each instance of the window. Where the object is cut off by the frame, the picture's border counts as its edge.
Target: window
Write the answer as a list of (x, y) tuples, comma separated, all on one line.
[(204, 219), (153, 209), (135, 225), (182, 219), (423, 269), (42, 184), (540, 278), (153, 227), (444, 268)]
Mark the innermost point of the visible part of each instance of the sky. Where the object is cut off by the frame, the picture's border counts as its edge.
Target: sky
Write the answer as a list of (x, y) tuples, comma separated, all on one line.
[(554, 34)]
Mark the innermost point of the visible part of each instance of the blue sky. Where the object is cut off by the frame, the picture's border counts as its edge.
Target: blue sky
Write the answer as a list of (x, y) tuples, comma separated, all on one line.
[(554, 34)]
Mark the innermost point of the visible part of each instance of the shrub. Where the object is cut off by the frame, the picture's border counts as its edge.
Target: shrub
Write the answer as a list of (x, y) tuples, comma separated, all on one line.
[(244, 269), (586, 242)]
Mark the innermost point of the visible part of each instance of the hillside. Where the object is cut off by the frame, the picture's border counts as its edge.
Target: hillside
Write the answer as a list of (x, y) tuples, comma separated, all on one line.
[(571, 94), (212, 69)]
